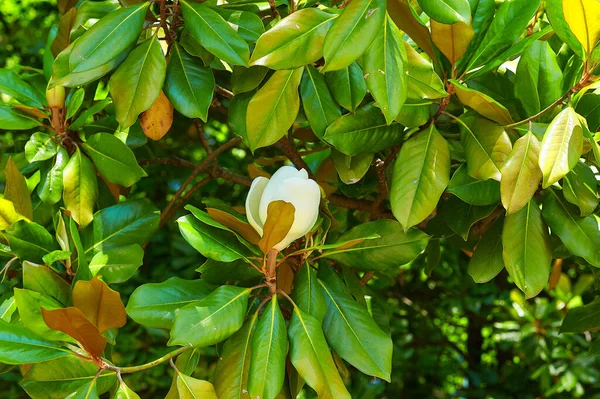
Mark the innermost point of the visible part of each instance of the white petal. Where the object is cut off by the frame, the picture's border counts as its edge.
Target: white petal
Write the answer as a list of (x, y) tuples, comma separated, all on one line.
[(275, 183), (253, 202)]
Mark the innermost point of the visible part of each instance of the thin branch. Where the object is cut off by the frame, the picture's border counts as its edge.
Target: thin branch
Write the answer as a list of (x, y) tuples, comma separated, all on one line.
[(223, 91), (366, 278), (287, 297), (383, 187), (134, 369), (202, 136), (287, 147), (168, 161)]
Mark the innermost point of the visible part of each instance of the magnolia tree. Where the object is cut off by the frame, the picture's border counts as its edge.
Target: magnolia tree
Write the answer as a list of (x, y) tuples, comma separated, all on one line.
[(407, 124)]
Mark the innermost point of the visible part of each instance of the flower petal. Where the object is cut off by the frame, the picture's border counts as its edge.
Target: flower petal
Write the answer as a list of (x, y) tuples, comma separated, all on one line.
[(253, 201)]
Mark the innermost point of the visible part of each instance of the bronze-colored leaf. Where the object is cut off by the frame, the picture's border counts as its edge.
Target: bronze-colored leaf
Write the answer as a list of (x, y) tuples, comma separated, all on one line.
[(63, 35), (243, 228), (285, 278), (16, 190), (280, 217), (73, 322), (101, 305), (555, 274), (157, 120), (31, 111)]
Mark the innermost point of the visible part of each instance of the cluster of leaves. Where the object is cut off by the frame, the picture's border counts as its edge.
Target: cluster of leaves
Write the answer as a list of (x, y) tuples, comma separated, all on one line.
[(481, 116)]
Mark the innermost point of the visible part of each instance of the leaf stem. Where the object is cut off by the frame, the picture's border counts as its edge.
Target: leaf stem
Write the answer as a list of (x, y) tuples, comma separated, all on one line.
[(146, 366), (287, 297)]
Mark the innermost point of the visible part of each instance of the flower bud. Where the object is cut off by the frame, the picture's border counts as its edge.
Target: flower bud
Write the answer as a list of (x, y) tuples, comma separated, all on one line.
[(56, 97), (290, 185)]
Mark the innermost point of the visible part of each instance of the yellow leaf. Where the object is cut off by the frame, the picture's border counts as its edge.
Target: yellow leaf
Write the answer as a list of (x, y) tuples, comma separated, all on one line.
[(555, 274), (483, 104), (101, 305), (583, 17), (452, 40), (408, 21), (16, 190), (244, 229), (73, 322), (254, 172), (8, 215), (280, 217), (157, 120)]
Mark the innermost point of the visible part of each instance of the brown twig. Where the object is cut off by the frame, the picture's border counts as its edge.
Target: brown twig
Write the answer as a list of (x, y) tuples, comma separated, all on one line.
[(223, 91), (287, 147), (365, 279), (202, 136), (383, 187)]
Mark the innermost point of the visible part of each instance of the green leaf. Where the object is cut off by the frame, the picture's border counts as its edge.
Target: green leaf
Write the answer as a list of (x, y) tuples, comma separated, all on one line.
[(130, 222), (353, 334), (521, 175), (526, 249), (482, 103), (307, 293), (473, 191), (422, 81), (137, 82), (29, 304), (447, 11), (247, 24), (348, 86), (7, 309), (214, 33), (583, 318), (57, 379), (11, 119), (555, 14), (118, 264), (245, 79), (508, 24), (40, 147), (269, 350), (124, 392), (215, 272), (319, 106), (74, 102), (311, 357), (83, 271), (538, 82), (80, 188), (487, 261), (29, 241), (41, 279), (18, 345), (395, 247), (16, 189), (486, 145), (107, 38), (211, 320), (56, 256), (352, 32), (192, 388), (366, 130), (114, 160), (405, 17), (295, 41), (588, 107), (189, 85), (580, 187), (273, 109), (460, 216), (562, 146), (385, 70), (231, 373), (17, 88), (414, 113), (420, 176), (351, 168), (154, 304), (581, 236), (8, 214)]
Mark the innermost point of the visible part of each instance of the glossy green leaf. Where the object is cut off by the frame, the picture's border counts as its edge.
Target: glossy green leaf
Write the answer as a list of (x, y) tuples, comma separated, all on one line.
[(124, 392), (189, 85), (556, 17), (273, 109), (384, 65), (583, 318), (354, 335), (366, 130), (20, 90), (16, 189), (521, 174), (118, 264), (269, 350), (311, 357), (51, 177), (447, 11), (347, 85), (317, 102), (473, 191), (211, 320), (295, 41), (137, 82), (482, 103), (231, 373), (80, 188), (11, 119), (40, 147), (247, 24), (192, 388), (487, 260), (56, 256), (406, 18), (245, 79), (562, 146), (29, 241), (307, 293), (395, 247), (414, 113), (8, 214), (214, 33), (29, 304), (87, 391), (486, 145), (114, 160), (460, 216), (238, 112), (74, 102), (352, 33), (41, 279), (580, 188), (538, 82), (154, 304), (420, 176), (215, 272), (526, 249), (351, 168), (580, 235), (482, 12), (18, 345)]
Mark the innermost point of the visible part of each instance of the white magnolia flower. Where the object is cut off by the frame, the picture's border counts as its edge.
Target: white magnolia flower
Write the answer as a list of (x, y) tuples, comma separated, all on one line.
[(290, 185)]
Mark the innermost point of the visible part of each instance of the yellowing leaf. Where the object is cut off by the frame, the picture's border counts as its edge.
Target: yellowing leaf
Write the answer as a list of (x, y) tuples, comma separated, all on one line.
[(482, 104), (583, 17), (280, 217), (8, 215), (157, 120), (101, 305), (16, 190), (452, 40), (72, 321), (228, 220)]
